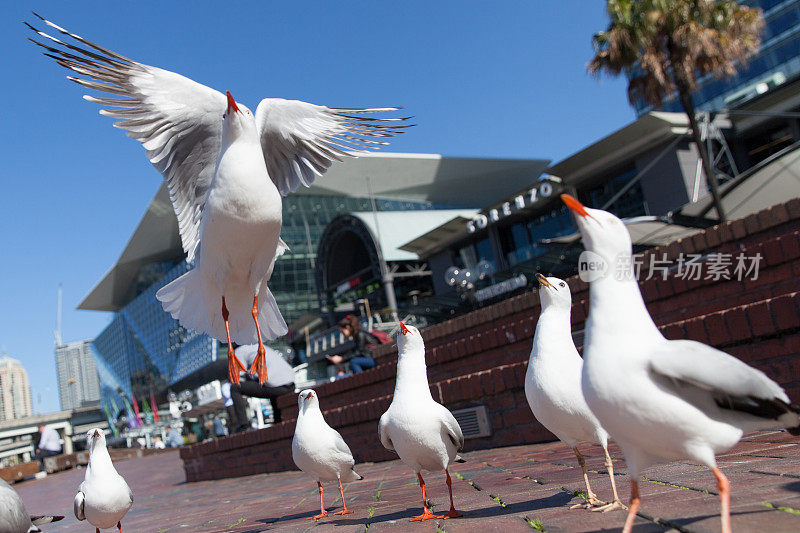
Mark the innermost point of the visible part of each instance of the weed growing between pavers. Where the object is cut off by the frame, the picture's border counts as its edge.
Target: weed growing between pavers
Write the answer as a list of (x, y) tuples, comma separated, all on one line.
[(535, 524), (240, 521), (783, 508), (377, 496), (498, 500)]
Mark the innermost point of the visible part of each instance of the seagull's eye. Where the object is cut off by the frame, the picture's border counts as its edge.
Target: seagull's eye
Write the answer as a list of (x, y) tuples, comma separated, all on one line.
[(561, 284), (224, 115)]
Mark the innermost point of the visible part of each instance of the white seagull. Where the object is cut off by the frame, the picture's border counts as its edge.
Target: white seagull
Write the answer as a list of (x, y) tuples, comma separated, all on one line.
[(13, 516), (423, 432), (320, 450), (553, 384), (104, 497), (226, 170), (663, 400)]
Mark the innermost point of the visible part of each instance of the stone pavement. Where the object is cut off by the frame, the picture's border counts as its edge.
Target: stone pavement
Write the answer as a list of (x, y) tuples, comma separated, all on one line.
[(522, 488)]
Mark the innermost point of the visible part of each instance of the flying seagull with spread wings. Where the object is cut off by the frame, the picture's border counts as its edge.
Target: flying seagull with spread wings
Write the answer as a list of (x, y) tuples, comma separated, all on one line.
[(226, 170)]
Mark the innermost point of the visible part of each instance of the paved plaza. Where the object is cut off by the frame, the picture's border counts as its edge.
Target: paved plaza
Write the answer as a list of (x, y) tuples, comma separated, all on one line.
[(522, 488)]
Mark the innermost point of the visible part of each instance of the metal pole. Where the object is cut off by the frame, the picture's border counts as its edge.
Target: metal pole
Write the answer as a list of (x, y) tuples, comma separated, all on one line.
[(386, 276)]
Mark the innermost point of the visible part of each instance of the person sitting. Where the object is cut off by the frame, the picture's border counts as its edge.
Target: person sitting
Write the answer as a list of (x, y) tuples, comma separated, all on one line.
[(280, 381), (49, 444), (360, 357)]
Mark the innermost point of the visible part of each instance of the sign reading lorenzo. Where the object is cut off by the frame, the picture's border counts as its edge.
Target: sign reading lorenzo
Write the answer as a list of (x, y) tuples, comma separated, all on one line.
[(545, 189)]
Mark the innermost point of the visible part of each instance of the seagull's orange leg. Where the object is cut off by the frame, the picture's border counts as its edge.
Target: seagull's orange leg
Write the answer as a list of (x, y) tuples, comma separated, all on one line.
[(234, 365), (344, 510), (452, 513), (426, 514), (97, 530), (260, 363), (322, 512), (632, 507), (724, 487)]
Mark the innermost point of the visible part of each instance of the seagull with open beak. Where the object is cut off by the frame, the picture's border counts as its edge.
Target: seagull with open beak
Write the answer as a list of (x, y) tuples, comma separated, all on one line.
[(553, 384), (663, 400), (423, 432)]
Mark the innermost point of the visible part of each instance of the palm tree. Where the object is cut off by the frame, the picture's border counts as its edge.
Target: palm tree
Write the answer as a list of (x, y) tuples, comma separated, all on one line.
[(665, 45)]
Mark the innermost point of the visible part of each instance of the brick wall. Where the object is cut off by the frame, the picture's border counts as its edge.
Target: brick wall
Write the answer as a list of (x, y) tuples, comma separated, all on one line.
[(480, 358)]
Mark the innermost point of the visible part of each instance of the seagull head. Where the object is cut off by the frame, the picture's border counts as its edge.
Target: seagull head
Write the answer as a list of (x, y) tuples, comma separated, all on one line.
[(306, 399), (554, 292), (236, 121), (409, 339), (95, 437), (602, 232)]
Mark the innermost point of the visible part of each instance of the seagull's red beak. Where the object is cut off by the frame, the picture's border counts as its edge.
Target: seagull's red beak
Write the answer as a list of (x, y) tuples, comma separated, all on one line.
[(403, 328), (232, 103)]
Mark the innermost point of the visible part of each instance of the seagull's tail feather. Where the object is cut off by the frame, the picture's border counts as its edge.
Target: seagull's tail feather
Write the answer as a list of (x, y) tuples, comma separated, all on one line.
[(197, 304)]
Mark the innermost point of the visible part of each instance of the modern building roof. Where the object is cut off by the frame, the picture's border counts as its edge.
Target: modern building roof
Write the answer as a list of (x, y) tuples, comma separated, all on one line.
[(391, 229), (647, 132), (446, 181)]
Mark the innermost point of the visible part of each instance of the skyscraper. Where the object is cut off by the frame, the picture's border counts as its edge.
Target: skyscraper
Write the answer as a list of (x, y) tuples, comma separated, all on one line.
[(78, 383), (15, 392)]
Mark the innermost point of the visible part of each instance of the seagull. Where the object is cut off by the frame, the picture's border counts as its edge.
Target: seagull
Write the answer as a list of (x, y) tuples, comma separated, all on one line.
[(553, 384), (663, 400), (104, 497), (13, 516), (226, 169), (423, 432), (320, 450)]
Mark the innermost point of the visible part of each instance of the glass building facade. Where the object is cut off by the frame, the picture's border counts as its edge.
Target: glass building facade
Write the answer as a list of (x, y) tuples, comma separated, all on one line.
[(777, 61)]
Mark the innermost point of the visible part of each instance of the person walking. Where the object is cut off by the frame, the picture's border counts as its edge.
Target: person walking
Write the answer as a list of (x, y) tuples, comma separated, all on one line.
[(280, 381), (49, 444)]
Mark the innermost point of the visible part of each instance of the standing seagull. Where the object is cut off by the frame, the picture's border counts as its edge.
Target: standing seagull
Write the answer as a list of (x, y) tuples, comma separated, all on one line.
[(663, 400), (13, 516), (226, 171), (104, 497), (423, 432), (320, 450), (553, 384)]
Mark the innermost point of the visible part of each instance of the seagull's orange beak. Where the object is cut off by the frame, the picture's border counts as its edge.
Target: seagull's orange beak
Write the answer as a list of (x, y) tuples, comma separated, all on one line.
[(232, 103), (571, 202), (403, 329), (543, 280)]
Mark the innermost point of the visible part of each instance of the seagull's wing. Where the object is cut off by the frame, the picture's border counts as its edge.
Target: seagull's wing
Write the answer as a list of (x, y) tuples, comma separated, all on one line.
[(77, 506), (451, 426), (732, 384), (177, 120), (342, 446), (383, 432), (45, 519), (300, 140)]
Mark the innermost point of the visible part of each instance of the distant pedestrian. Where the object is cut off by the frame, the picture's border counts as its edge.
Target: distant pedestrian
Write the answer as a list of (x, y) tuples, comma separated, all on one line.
[(49, 444), (280, 381), (158, 444), (218, 427), (174, 437)]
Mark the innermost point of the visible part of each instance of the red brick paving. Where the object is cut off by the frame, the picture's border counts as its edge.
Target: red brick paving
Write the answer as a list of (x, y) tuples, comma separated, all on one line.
[(501, 489)]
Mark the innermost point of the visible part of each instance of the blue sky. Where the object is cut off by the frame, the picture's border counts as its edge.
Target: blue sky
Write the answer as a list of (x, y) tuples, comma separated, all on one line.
[(499, 79)]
